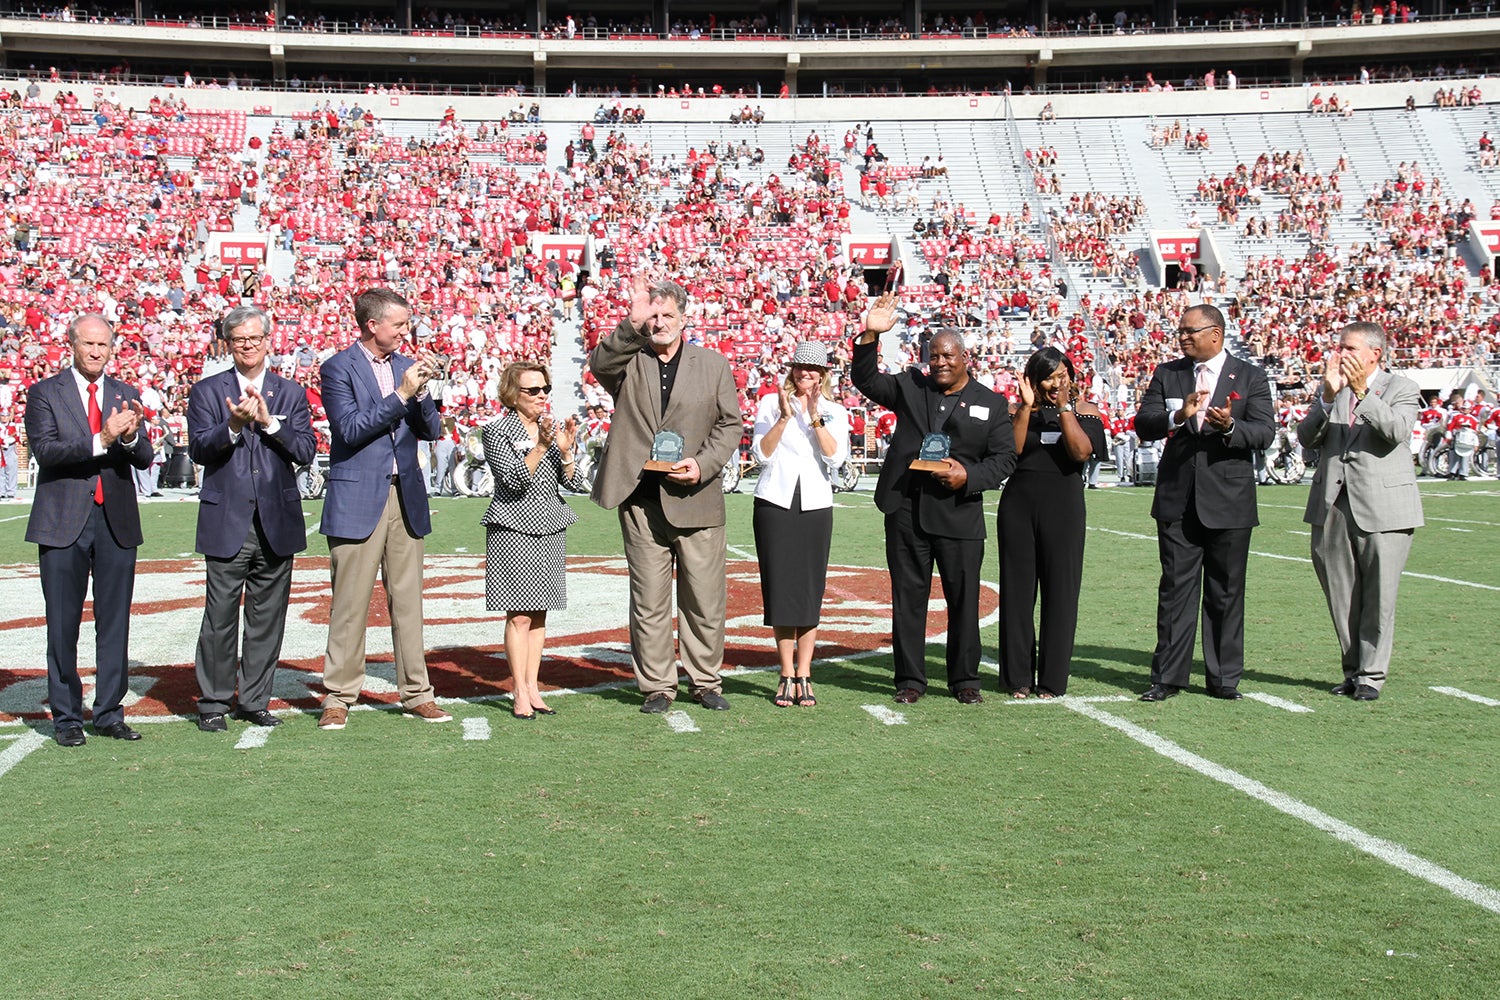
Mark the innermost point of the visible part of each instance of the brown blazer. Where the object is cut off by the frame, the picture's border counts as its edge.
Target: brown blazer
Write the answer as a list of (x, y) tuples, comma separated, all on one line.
[(704, 409)]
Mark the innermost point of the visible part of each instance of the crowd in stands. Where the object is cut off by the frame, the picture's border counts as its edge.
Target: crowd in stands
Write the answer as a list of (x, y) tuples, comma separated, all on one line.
[(110, 209)]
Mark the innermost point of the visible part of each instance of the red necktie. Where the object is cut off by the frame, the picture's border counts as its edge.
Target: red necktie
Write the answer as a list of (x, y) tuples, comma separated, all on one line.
[(96, 424)]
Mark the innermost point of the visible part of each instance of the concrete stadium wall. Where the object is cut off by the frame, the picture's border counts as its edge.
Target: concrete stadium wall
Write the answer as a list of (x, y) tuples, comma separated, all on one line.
[(812, 110)]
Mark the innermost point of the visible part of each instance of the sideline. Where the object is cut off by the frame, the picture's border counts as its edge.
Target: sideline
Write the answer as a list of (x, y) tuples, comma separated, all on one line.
[(1391, 853), (1308, 561)]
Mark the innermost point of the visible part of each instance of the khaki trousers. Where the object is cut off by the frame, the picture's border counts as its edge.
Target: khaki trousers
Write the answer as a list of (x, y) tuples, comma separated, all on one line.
[(652, 547), (396, 554)]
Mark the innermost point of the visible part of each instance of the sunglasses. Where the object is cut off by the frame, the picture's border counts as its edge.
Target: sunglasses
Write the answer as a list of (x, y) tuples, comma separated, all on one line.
[(537, 390)]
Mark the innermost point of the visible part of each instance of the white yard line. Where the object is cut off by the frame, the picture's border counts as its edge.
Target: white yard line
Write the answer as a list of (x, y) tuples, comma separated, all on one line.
[(738, 552), (1459, 693), (18, 750), (476, 727), (1391, 853), (681, 722), (253, 737), (1275, 702), (885, 715)]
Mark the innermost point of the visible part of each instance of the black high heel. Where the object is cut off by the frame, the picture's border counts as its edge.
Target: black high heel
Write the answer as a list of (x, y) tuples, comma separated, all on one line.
[(786, 695), (805, 697), (544, 711)]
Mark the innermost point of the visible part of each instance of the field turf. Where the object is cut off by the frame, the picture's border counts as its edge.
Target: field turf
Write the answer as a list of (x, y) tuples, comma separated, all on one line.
[(1076, 849)]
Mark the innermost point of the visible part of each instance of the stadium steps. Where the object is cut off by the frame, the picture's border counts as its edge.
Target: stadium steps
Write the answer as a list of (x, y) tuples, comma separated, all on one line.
[(1453, 135)]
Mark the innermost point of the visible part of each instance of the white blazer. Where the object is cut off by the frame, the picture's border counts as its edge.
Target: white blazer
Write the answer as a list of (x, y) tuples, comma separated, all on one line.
[(797, 457)]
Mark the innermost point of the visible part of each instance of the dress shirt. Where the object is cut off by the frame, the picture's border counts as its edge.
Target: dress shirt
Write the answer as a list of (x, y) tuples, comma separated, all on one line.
[(83, 397), (797, 458), (259, 382), (1215, 369), (385, 378)]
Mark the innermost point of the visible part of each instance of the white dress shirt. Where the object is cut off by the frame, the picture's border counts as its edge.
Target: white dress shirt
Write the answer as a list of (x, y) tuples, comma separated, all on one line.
[(798, 458)]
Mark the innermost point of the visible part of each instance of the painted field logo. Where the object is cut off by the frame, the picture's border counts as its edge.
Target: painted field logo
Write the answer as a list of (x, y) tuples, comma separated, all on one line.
[(586, 645)]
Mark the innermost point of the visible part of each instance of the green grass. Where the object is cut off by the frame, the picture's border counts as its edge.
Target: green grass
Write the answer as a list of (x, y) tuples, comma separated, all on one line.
[(1016, 850)]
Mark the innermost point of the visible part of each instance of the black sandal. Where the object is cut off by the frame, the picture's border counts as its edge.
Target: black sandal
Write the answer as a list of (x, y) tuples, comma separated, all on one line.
[(805, 697), (786, 695)]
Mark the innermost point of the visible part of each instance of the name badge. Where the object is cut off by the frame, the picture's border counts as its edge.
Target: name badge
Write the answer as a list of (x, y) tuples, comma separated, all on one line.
[(979, 412), (523, 446), (1174, 403), (1051, 437)]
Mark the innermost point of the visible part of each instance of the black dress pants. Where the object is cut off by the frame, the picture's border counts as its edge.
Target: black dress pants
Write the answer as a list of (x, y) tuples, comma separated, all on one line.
[(911, 553)]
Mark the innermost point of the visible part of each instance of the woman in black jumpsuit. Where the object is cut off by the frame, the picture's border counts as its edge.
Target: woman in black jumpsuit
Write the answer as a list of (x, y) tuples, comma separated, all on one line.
[(1041, 524)]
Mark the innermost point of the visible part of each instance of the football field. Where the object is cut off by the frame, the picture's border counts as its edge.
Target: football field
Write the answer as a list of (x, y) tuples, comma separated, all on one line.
[(1289, 845)]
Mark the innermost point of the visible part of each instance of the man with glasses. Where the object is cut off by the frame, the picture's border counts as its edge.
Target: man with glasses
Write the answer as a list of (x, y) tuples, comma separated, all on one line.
[(673, 517), (1364, 505), (249, 429), (1213, 410), (375, 514)]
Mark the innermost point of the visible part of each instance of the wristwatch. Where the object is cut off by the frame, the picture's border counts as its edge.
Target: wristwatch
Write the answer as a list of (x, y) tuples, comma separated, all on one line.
[(1066, 408), (818, 421)]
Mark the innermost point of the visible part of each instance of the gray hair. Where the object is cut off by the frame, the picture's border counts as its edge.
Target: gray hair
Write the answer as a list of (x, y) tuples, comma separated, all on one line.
[(1373, 334), (78, 321), (239, 316), (668, 289)]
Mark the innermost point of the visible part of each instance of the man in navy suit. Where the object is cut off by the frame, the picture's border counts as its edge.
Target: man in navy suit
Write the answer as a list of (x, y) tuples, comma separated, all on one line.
[(375, 514), (1214, 410), (935, 516), (85, 430), (249, 428)]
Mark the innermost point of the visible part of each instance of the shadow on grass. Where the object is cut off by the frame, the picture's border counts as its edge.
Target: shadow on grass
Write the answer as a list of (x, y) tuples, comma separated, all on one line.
[(1103, 664)]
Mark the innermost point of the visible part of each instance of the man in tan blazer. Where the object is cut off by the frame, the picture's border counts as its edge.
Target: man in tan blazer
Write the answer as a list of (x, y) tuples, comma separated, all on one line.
[(1364, 503), (660, 383)]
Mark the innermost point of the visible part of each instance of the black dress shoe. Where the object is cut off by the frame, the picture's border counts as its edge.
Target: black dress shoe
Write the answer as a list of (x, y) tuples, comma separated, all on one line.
[(1159, 692), (712, 700), (969, 696), (1344, 689), (69, 736), (908, 696), (1225, 694), (117, 731), (258, 717), (1365, 692), (656, 704), (212, 722)]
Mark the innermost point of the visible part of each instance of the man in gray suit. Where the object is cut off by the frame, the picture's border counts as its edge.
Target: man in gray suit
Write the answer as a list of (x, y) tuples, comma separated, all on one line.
[(659, 383), (1364, 503)]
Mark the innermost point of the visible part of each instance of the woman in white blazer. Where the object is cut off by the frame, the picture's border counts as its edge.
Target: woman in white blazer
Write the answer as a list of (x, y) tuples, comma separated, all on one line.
[(801, 438)]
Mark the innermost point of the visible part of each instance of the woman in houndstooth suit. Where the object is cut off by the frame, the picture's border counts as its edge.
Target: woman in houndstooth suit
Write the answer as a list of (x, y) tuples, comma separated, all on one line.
[(526, 523)]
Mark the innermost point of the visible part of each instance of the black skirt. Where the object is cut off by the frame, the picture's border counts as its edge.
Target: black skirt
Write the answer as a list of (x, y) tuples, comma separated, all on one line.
[(792, 547)]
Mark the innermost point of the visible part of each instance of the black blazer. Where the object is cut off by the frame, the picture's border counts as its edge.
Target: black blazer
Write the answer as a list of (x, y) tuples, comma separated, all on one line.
[(256, 472), (1213, 471), (57, 433), (981, 440)]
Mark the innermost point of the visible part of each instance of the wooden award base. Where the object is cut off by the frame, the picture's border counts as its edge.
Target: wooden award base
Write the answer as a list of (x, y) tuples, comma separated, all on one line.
[(655, 465), (924, 465)]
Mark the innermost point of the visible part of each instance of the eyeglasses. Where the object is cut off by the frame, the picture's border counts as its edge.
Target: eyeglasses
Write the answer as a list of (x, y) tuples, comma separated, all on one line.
[(247, 341), (537, 390), (1183, 331)]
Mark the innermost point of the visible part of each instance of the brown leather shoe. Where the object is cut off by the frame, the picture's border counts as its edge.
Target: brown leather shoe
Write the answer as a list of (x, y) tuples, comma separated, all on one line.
[(969, 696), (908, 696), (335, 716), (428, 711)]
